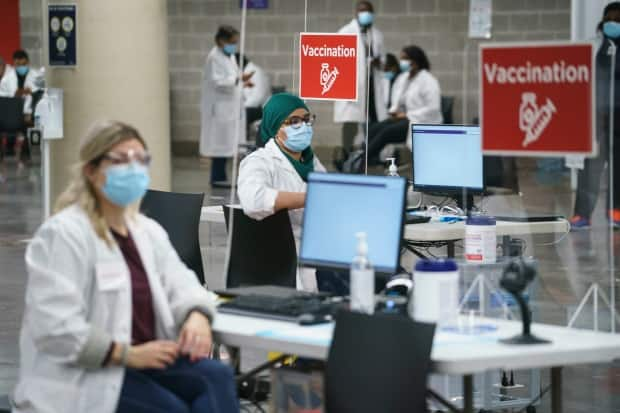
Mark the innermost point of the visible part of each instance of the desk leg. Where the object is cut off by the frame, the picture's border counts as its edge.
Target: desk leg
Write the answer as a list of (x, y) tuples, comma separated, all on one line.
[(556, 390), (451, 249), (468, 393)]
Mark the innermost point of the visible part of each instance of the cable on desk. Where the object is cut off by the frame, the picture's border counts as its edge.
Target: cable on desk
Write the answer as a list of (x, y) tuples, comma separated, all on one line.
[(557, 241), (540, 396)]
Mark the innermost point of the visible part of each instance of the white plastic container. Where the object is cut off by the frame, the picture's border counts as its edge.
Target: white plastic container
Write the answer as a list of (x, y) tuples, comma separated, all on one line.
[(480, 239), (362, 281), (435, 292)]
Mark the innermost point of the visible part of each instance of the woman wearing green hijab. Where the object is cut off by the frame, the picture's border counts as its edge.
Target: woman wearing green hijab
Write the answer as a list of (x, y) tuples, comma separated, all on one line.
[(274, 177)]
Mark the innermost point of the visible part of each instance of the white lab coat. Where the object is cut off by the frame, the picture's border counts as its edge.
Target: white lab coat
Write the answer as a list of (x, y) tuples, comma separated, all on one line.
[(256, 96), (345, 111), (30, 83), (8, 83), (78, 299), (221, 105), (422, 100), (263, 174)]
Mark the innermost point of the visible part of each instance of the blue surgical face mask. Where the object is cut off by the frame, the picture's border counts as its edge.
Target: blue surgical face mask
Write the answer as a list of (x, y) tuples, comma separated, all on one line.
[(126, 183), (389, 75), (21, 70), (365, 18), (611, 29), (405, 65), (298, 139), (230, 48)]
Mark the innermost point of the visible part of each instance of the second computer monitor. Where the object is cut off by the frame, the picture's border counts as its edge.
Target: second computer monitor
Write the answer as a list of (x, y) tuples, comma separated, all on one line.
[(339, 206), (447, 159)]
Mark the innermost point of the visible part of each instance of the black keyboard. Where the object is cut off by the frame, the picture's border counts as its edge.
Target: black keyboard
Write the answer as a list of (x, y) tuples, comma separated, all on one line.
[(282, 308), (416, 219)]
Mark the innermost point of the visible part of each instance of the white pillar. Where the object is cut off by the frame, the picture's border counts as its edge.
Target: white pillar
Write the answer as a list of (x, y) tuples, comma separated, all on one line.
[(122, 74)]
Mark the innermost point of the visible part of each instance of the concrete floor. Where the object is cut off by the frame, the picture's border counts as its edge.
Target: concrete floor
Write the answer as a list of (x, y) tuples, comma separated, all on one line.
[(568, 265)]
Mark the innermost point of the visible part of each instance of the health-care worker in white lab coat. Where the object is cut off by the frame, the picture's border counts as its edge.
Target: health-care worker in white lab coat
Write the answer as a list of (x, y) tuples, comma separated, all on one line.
[(416, 100), (274, 177), (352, 115), (114, 321), (222, 103)]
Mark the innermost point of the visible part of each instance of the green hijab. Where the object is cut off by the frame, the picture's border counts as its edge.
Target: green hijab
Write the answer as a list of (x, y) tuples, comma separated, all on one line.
[(275, 112)]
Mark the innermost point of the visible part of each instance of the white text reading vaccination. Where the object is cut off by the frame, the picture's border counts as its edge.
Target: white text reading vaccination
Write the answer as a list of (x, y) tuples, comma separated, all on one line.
[(324, 51), (558, 72)]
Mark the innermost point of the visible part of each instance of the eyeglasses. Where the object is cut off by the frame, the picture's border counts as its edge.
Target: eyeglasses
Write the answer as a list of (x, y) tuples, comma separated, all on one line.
[(118, 158), (296, 121)]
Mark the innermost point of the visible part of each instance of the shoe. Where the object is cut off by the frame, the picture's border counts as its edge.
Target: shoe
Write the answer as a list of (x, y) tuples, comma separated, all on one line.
[(579, 223), (614, 216)]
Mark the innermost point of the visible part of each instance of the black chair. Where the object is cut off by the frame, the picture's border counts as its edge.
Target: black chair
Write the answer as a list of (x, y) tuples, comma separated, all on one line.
[(11, 119), (378, 363), (447, 104), (261, 252), (179, 215)]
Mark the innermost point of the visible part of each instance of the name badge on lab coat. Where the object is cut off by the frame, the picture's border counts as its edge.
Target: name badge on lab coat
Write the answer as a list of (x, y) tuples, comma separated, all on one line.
[(110, 275)]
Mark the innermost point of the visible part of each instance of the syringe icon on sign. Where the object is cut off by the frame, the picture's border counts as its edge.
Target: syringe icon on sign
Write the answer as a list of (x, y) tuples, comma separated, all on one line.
[(533, 120)]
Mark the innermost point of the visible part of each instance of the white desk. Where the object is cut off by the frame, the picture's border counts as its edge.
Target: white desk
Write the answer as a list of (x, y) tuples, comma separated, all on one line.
[(439, 231), (456, 354)]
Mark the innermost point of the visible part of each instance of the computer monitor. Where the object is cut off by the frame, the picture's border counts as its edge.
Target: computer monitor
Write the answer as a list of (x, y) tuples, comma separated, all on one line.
[(338, 206), (447, 159)]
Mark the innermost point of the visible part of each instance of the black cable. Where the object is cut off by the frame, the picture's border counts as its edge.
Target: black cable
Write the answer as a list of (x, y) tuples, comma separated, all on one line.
[(540, 396)]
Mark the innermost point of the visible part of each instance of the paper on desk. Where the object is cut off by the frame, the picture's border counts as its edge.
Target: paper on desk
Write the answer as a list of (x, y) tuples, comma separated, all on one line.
[(319, 334)]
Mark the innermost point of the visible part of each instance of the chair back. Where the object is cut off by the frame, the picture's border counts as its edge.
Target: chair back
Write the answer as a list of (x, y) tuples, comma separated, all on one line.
[(378, 363), (179, 215), (262, 252), (11, 114)]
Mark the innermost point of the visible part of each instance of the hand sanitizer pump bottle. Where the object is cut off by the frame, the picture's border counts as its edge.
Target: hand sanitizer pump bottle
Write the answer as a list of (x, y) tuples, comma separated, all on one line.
[(362, 278)]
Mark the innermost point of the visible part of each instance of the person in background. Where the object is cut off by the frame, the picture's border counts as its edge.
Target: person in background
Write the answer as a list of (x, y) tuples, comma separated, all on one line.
[(370, 46), (255, 93), (589, 178), (114, 320), (221, 104), (416, 99), (274, 177), (391, 72), (9, 89), (28, 90)]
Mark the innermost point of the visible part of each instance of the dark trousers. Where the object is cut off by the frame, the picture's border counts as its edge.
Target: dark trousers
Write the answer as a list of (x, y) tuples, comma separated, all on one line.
[(589, 178), (206, 386), (218, 169), (386, 132)]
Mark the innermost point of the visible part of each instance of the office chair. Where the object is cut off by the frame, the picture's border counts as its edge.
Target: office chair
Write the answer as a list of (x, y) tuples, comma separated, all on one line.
[(179, 215), (261, 252), (11, 119), (378, 363), (5, 405), (447, 104)]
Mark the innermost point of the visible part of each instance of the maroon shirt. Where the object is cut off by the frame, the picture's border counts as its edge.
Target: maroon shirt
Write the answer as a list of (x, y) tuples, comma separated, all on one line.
[(143, 315)]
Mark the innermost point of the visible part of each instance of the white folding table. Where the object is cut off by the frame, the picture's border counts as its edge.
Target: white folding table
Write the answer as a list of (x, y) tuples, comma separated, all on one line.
[(453, 353), (441, 231)]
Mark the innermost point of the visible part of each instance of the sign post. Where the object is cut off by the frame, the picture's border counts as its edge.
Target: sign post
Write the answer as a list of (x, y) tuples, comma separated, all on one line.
[(537, 99), (328, 66)]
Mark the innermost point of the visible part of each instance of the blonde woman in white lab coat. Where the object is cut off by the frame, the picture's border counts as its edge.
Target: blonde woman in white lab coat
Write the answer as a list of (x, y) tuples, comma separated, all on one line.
[(274, 177), (114, 321), (352, 114), (222, 103)]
